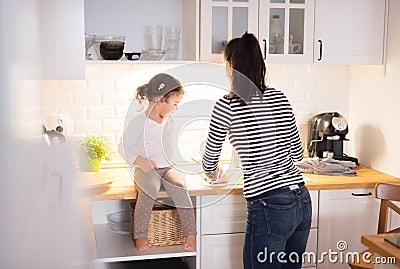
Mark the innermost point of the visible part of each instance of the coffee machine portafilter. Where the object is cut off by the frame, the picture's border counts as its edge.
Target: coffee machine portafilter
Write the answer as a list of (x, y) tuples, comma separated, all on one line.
[(326, 136)]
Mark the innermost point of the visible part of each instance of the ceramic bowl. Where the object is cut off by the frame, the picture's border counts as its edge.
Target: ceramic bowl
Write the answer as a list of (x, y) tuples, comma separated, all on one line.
[(132, 56)]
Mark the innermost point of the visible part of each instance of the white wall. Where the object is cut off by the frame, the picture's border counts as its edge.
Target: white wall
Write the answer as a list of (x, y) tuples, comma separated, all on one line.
[(374, 106)]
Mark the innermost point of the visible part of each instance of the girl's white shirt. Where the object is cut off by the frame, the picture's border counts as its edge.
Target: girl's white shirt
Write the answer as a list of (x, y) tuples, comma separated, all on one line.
[(149, 139)]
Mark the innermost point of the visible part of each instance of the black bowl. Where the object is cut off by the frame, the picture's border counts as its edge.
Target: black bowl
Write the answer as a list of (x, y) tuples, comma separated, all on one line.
[(112, 45), (132, 56), (112, 50)]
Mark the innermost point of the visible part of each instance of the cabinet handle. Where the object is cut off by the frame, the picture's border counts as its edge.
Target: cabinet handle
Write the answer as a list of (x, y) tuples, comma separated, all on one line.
[(361, 194), (320, 49), (265, 48)]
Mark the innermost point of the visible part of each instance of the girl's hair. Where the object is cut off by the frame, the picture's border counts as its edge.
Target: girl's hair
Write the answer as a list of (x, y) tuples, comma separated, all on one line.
[(244, 55), (161, 85)]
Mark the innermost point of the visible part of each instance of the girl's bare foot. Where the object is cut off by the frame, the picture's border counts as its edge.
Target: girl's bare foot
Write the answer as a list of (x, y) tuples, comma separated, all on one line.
[(190, 243), (142, 244)]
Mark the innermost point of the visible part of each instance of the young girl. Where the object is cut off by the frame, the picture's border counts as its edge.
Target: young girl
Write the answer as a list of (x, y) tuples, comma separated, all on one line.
[(147, 145), (262, 129)]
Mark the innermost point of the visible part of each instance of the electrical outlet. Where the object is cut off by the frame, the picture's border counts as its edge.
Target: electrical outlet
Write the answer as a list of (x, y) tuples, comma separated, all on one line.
[(58, 123)]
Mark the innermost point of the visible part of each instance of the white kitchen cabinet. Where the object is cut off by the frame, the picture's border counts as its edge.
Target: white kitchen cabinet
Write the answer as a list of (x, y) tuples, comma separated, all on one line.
[(62, 39), (222, 227), (349, 31), (222, 251), (299, 31), (223, 20), (129, 18), (223, 214), (345, 215), (286, 30)]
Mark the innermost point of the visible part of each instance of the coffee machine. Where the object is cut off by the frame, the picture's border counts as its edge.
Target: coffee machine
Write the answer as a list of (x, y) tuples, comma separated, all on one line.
[(327, 133)]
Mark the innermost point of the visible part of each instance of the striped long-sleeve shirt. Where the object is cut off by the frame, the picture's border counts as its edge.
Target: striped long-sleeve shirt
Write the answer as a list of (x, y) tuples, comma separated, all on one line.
[(265, 136)]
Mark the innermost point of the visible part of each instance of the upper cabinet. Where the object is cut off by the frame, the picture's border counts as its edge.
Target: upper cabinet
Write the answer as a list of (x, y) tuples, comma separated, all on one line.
[(349, 31), (298, 31), (129, 18), (223, 20), (289, 31), (62, 39), (286, 30)]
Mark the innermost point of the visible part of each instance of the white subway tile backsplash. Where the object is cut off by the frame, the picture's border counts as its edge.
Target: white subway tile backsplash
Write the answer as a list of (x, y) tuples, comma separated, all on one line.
[(121, 111), (54, 98), (113, 98), (73, 112), (92, 71), (87, 126), (116, 125), (101, 112), (300, 93), (87, 98), (100, 84), (114, 70), (125, 84), (49, 85), (71, 85), (100, 103)]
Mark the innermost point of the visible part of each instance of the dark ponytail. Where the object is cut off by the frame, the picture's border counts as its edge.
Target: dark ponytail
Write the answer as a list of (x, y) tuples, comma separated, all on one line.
[(248, 77)]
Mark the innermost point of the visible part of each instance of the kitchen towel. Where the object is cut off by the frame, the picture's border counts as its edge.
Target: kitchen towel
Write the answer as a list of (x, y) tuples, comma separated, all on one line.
[(326, 166)]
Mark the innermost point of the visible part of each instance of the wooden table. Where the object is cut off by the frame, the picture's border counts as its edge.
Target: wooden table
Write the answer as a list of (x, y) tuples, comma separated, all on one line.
[(376, 243)]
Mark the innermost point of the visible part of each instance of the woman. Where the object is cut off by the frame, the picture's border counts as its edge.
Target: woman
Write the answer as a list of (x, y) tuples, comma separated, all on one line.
[(262, 129)]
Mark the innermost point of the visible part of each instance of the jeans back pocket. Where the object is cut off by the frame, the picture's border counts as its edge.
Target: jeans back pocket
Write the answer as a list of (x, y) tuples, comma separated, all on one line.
[(281, 216)]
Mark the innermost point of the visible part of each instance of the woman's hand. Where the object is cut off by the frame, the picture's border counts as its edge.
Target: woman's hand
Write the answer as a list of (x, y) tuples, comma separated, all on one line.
[(214, 176), (145, 164)]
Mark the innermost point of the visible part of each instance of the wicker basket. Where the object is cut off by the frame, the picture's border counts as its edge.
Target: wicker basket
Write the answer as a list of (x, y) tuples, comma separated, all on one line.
[(165, 227)]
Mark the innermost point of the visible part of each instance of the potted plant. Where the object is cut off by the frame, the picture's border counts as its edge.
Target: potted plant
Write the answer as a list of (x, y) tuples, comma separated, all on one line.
[(94, 149)]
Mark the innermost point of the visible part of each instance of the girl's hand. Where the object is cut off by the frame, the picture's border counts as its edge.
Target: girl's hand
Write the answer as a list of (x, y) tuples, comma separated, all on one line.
[(145, 164)]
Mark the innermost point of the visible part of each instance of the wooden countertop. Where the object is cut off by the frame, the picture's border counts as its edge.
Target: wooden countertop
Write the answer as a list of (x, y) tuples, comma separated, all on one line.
[(376, 243), (122, 186)]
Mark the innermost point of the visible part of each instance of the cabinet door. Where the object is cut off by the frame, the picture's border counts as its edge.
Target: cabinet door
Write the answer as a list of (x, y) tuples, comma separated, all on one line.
[(222, 251), (345, 215), (62, 39), (223, 214), (314, 201), (222, 20), (349, 31), (286, 30)]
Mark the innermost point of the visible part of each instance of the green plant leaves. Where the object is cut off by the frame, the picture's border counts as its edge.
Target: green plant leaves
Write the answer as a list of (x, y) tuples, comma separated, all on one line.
[(96, 146)]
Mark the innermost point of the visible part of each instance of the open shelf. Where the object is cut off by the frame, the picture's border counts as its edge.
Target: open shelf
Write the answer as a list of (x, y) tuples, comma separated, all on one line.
[(138, 62), (114, 247)]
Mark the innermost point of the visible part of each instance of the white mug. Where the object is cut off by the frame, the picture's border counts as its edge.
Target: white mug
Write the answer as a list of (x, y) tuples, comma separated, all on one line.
[(294, 48)]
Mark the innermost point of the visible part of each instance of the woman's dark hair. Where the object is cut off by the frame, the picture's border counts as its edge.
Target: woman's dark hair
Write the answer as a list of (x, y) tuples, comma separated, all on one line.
[(230, 49), (161, 85), (245, 57)]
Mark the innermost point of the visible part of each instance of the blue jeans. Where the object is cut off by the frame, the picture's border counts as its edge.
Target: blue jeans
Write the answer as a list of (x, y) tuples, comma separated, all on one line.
[(277, 229)]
